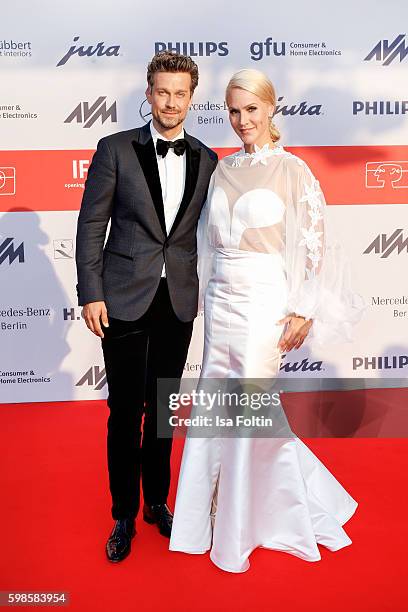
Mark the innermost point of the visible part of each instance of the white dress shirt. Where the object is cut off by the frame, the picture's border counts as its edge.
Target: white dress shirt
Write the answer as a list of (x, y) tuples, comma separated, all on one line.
[(172, 172)]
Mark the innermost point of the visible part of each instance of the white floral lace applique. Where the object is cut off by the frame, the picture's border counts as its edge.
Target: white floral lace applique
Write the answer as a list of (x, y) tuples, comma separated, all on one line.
[(311, 237), (260, 155), (237, 160)]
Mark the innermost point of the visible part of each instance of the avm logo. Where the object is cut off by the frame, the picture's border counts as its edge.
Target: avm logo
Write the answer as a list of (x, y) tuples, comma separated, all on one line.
[(82, 51), (7, 250), (386, 245), (386, 52), (94, 377), (88, 114)]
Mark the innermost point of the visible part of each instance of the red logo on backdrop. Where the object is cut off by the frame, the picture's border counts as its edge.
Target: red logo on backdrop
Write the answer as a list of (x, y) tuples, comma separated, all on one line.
[(337, 168), (80, 168), (382, 174), (78, 175), (62, 189), (7, 181)]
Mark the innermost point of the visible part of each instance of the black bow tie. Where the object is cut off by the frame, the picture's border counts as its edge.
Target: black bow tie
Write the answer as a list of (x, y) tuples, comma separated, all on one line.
[(162, 146)]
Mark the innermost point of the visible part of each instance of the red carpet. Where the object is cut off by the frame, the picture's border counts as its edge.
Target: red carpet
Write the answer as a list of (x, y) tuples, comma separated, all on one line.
[(55, 519)]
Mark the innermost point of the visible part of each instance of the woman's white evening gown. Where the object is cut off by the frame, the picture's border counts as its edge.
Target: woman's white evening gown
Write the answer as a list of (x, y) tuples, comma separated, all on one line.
[(261, 255)]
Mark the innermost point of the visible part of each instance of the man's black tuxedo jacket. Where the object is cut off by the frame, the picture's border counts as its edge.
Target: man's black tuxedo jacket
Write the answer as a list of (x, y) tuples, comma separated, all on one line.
[(123, 186)]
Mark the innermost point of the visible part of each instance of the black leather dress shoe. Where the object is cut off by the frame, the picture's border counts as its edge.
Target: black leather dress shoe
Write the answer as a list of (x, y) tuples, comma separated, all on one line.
[(160, 515), (119, 542)]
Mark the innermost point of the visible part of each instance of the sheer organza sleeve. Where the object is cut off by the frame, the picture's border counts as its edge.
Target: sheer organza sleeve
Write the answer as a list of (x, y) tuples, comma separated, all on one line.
[(204, 248), (319, 273)]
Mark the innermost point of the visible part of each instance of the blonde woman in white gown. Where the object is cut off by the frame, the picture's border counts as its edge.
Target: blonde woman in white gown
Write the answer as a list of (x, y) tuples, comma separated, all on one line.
[(268, 279)]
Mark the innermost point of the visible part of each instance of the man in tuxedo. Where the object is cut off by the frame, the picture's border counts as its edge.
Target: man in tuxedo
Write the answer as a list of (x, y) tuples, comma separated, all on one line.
[(139, 292)]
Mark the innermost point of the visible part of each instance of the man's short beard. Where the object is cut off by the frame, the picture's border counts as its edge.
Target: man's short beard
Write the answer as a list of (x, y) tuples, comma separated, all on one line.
[(167, 123)]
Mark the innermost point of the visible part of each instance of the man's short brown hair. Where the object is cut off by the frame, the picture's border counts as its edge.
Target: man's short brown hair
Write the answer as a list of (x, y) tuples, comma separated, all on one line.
[(169, 61)]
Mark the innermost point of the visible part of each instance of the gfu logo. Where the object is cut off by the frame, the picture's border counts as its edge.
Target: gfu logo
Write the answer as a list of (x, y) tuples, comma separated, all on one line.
[(261, 49), (384, 245), (387, 174), (386, 52), (94, 377), (7, 250), (83, 113), (81, 51)]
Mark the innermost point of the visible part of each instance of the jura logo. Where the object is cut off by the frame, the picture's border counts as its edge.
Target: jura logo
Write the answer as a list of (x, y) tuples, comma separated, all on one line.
[(302, 366), (99, 50), (94, 377), (386, 245), (88, 114), (386, 52), (7, 250), (298, 109)]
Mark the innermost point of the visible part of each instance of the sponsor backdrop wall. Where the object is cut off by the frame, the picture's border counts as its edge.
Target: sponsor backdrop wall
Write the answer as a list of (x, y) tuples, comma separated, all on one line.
[(72, 72)]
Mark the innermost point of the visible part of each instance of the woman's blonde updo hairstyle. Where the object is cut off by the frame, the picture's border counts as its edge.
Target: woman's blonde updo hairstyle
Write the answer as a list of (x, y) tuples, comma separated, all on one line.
[(257, 83)]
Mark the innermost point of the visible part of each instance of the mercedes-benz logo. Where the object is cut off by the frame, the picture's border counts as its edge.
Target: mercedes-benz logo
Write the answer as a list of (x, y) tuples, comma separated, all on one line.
[(144, 111)]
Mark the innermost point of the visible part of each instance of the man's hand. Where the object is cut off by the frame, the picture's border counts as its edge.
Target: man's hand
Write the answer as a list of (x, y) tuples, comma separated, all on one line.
[(295, 333), (94, 313)]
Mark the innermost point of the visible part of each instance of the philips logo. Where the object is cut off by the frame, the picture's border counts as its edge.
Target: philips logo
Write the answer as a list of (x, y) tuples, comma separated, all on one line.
[(386, 52), (194, 49), (380, 107), (86, 114), (386, 362)]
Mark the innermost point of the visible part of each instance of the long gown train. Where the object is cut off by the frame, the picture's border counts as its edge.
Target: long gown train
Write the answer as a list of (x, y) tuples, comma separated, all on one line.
[(236, 494)]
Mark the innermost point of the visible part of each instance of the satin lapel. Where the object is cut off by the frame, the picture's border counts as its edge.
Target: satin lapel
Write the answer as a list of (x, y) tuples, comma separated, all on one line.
[(192, 167), (147, 158)]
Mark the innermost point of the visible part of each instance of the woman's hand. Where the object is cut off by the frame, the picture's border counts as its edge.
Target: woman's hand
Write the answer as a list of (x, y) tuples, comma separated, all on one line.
[(294, 333)]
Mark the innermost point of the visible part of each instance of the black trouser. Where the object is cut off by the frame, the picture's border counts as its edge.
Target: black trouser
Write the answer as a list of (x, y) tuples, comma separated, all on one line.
[(136, 354)]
